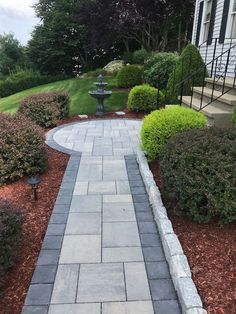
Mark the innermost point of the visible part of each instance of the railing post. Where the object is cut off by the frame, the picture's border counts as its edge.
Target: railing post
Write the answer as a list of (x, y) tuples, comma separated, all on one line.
[(226, 70), (214, 54)]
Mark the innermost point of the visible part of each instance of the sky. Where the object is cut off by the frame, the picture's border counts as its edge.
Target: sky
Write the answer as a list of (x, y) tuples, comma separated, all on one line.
[(18, 17)]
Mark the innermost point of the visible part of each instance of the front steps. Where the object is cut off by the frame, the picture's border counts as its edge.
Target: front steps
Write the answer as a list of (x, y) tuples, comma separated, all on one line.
[(219, 112)]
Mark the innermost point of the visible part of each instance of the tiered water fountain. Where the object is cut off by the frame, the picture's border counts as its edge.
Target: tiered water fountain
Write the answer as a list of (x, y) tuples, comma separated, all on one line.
[(100, 94)]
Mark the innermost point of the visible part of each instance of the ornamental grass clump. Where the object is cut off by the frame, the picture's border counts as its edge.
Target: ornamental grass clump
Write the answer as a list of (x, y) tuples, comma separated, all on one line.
[(22, 148), (198, 170), (47, 108), (144, 98), (162, 124), (10, 230)]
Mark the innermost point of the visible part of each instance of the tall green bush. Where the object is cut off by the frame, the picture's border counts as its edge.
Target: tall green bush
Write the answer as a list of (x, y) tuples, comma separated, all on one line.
[(130, 76), (158, 68), (162, 124), (198, 169), (189, 61), (22, 148)]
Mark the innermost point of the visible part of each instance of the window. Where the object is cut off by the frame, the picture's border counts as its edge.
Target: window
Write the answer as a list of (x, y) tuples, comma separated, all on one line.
[(207, 19), (233, 26)]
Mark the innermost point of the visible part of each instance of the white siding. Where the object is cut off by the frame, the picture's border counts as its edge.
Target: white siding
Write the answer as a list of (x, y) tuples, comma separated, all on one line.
[(207, 51)]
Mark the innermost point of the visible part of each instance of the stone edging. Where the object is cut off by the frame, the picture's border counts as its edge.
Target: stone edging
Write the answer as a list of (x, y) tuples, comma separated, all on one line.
[(179, 267)]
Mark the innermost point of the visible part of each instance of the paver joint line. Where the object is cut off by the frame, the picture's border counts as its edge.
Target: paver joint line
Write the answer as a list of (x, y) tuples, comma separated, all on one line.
[(101, 244)]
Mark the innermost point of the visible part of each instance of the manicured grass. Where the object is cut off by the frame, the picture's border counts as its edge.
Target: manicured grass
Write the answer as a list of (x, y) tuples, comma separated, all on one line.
[(78, 88)]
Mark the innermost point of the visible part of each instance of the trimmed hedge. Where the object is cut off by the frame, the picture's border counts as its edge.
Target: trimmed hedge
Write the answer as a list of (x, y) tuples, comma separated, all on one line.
[(22, 80), (198, 173), (144, 98), (162, 124), (189, 61), (22, 148), (158, 68), (130, 76), (10, 230), (47, 108)]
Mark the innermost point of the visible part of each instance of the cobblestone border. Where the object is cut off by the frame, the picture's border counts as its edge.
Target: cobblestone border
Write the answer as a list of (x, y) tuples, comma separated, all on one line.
[(39, 293), (189, 298)]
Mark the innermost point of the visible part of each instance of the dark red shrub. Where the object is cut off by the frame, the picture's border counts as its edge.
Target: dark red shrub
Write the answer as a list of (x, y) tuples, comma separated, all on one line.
[(10, 229), (47, 108), (22, 148)]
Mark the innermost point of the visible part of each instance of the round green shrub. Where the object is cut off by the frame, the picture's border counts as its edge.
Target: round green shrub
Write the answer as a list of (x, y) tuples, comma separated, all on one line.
[(158, 68), (10, 230), (130, 76), (198, 173), (139, 56), (162, 124), (46, 109), (22, 148), (189, 61), (144, 98)]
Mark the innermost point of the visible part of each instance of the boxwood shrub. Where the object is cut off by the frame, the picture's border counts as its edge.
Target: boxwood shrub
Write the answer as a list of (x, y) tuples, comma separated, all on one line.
[(162, 124), (46, 109), (158, 68), (144, 98), (130, 76), (198, 172), (22, 148), (10, 230)]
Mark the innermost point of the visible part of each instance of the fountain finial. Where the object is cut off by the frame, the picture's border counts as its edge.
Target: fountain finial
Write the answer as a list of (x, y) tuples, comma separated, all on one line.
[(100, 78)]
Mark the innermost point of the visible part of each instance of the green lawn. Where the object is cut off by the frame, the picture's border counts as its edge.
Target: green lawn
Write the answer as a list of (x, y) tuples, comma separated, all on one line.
[(78, 88)]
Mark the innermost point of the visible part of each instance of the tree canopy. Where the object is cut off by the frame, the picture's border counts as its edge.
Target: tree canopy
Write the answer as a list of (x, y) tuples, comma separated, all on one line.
[(11, 54), (89, 33)]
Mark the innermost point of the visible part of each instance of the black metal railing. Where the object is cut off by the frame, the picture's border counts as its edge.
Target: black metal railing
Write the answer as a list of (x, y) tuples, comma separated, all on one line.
[(220, 62)]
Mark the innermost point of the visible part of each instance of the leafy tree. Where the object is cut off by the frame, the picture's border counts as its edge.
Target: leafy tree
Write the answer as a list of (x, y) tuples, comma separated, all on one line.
[(11, 54), (56, 46)]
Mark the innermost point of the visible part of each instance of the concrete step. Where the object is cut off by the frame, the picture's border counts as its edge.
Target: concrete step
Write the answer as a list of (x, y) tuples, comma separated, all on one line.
[(226, 102), (229, 85), (216, 116)]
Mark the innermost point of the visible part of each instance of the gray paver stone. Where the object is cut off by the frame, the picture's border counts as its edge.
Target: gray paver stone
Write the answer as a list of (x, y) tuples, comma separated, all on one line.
[(162, 289), (39, 294), (35, 310), (44, 274), (167, 307), (158, 270)]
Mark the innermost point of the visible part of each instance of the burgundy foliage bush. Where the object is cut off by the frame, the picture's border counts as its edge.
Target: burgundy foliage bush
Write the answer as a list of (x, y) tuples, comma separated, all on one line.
[(47, 108), (22, 148)]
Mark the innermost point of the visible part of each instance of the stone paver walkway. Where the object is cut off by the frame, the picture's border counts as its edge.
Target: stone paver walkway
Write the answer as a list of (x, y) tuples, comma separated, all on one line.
[(102, 253)]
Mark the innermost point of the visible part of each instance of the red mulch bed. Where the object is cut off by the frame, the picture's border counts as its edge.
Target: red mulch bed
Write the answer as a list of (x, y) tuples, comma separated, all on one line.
[(15, 283), (108, 115), (211, 251)]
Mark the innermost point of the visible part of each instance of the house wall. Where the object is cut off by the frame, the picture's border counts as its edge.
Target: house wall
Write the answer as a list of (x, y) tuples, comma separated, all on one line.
[(207, 51)]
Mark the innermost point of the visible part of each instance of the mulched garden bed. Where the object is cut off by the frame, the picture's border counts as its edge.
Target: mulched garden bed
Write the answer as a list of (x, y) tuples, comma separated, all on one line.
[(15, 283), (211, 251)]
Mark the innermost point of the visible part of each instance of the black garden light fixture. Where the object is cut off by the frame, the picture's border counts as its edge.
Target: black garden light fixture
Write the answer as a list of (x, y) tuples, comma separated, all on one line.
[(34, 182)]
